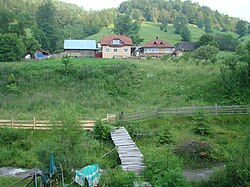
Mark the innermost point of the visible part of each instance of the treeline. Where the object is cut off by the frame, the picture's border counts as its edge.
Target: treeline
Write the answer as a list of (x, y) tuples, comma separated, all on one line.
[(47, 23), (173, 11)]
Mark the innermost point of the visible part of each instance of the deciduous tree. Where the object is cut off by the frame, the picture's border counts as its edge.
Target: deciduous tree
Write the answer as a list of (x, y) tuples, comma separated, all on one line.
[(241, 28), (124, 25), (11, 47)]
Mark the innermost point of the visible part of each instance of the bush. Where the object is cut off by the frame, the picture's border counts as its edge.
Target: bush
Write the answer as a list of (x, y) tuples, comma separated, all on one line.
[(206, 52), (102, 131), (200, 123), (118, 177), (11, 86), (163, 168), (133, 128), (165, 137), (165, 57), (10, 136)]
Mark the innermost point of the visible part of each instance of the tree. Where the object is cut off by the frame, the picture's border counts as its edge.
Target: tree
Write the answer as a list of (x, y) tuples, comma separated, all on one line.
[(243, 52), (186, 34), (136, 15), (206, 52), (11, 47), (6, 18), (47, 23), (207, 39), (208, 27), (30, 42), (227, 41), (124, 25), (241, 28)]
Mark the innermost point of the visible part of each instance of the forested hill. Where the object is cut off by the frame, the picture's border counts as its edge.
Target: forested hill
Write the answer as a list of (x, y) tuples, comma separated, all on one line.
[(173, 11), (49, 22), (32, 24)]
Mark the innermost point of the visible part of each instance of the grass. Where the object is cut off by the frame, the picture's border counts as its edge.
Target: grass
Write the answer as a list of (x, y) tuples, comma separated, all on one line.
[(228, 136), (100, 86), (150, 30)]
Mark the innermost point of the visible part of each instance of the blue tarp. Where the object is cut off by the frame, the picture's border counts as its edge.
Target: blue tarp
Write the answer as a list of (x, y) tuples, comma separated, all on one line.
[(91, 173)]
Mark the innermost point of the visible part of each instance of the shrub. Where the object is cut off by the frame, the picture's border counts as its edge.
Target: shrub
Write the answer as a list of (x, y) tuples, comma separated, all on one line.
[(165, 57), (163, 168), (148, 57), (11, 86), (206, 52), (10, 136), (118, 177), (165, 137), (67, 62), (200, 123), (102, 131), (133, 128)]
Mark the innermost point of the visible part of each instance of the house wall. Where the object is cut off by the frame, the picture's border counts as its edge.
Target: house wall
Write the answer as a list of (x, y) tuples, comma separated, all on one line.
[(161, 51), (80, 53), (109, 52)]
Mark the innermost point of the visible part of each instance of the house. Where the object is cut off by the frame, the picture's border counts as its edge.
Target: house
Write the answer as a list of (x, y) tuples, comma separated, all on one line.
[(80, 48), (116, 46), (186, 46), (158, 47), (177, 53)]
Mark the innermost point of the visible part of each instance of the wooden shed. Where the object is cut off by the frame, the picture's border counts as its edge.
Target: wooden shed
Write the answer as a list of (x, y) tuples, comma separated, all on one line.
[(80, 48)]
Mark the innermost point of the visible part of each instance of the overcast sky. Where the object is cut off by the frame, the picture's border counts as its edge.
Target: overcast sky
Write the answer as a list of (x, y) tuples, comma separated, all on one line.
[(235, 8)]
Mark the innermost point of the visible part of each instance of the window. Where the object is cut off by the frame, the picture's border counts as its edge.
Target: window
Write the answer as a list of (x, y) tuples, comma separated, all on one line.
[(116, 42), (115, 50), (125, 50), (107, 50), (151, 50), (168, 50)]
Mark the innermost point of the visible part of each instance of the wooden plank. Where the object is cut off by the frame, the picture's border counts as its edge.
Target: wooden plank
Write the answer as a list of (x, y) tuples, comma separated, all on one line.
[(130, 154), (87, 125), (5, 121)]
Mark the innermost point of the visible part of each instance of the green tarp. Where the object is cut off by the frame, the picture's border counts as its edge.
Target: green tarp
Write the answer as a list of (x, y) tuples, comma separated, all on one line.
[(89, 173)]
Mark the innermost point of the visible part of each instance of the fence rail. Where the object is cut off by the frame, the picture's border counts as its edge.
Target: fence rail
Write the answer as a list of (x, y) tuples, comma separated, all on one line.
[(207, 110), (42, 124), (48, 124)]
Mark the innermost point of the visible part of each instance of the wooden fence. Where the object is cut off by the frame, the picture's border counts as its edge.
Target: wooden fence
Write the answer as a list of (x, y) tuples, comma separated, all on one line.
[(48, 124), (207, 110)]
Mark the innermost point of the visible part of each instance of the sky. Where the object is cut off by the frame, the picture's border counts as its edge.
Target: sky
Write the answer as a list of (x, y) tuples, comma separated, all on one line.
[(235, 8)]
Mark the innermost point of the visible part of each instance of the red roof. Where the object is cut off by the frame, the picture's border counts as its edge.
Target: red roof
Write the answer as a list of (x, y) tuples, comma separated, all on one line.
[(158, 43), (107, 39)]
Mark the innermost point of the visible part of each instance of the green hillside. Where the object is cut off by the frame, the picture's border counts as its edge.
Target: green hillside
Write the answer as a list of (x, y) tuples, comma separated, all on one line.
[(150, 30), (100, 86)]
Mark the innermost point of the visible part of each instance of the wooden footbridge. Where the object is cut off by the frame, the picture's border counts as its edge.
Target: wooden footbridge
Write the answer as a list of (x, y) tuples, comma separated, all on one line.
[(129, 154)]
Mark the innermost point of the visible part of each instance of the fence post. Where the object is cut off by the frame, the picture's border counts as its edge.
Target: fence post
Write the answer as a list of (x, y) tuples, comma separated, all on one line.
[(12, 122), (193, 108), (34, 123), (216, 109), (121, 118)]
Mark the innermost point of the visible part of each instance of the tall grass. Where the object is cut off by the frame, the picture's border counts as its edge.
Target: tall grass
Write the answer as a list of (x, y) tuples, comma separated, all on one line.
[(100, 86)]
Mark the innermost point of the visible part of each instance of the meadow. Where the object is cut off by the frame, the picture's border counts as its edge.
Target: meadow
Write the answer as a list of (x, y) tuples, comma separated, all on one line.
[(150, 30), (100, 86), (91, 88)]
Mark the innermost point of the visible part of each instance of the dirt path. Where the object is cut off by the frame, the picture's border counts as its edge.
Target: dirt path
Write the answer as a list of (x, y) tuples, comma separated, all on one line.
[(200, 174)]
